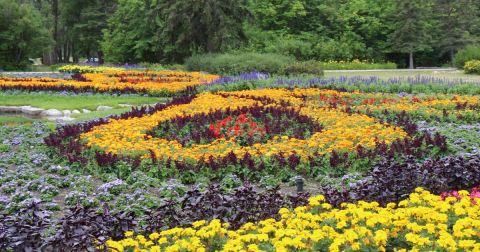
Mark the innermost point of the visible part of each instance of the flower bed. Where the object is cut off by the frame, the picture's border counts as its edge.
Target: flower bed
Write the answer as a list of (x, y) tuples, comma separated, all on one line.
[(303, 131), (423, 222), (166, 83)]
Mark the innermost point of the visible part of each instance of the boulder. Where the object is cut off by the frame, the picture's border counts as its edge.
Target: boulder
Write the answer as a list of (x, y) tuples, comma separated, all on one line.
[(103, 108), (31, 110), (66, 112), (10, 109), (86, 111), (52, 113), (75, 111)]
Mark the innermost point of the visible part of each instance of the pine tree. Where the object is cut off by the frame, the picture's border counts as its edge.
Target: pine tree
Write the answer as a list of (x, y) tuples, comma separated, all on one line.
[(412, 25)]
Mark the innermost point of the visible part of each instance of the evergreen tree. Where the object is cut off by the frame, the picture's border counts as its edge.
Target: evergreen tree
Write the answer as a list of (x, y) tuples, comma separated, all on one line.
[(413, 27)]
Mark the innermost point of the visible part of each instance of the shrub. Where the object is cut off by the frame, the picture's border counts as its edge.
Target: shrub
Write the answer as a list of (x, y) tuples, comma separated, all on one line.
[(392, 180), (472, 67), (303, 67), (469, 53), (233, 64)]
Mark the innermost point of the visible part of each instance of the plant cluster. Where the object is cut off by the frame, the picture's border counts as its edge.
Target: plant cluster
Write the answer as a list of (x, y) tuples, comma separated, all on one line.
[(77, 69), (423, 221), (84, 228), (469, 53), (246, 125), (472, 67), (116, 80), (392, 180)]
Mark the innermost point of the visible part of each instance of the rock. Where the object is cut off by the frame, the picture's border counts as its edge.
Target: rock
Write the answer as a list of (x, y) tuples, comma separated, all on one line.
[(52, 113), (75, 111), (65, 119), (125, 105), (31, 110), (66, 112), (86, 111), (60, 119), (10, 109), (103, 108)]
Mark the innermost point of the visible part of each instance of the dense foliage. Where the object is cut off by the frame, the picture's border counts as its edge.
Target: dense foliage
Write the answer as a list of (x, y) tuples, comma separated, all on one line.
[(467, 54), (169, 31), (234, 64), (22, 34)]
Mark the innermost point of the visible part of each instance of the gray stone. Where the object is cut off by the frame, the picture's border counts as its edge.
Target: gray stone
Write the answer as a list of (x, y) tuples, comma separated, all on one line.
[(125, 105), (66, 112), (31, 110), (60, 119), (75, 111), (52, 113), (10, 109), (86, 111), (103, 108)]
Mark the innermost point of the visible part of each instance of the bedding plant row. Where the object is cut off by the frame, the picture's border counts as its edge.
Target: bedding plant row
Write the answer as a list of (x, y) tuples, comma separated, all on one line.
[(113, 80), (421, 222), (420, 84)]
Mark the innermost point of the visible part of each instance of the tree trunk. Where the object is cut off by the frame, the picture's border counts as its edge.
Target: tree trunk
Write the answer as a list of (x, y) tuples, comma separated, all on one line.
[(74, 54), (100, 58), (410, 61), (65, 52), (452, 56), (55, 54), (50, 58)]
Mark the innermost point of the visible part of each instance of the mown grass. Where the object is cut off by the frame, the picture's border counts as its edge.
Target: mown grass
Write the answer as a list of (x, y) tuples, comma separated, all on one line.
[(14, 120), (49, 101), (453, 74), (99, 114)]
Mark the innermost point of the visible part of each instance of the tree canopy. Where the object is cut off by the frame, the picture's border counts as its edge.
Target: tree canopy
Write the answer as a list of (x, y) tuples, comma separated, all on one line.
[(22, 34), (168, 31)]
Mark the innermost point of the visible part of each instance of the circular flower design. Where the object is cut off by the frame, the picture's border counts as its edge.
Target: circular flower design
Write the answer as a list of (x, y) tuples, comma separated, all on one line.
[(330, 128)]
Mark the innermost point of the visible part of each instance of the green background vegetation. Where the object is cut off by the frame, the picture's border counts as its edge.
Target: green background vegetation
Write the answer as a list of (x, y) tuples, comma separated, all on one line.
[(169, 31)]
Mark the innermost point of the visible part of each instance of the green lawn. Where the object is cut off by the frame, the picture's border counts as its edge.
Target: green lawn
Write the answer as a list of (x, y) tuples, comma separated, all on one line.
[(14, 120), (99, 114), (49, 101), (453, 74)]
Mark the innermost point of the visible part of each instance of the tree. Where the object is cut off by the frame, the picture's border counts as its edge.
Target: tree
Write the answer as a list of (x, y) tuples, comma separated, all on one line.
[(201, 26), (458, 20), (132, 32), (413, 26), (22, 34), (87, 20)]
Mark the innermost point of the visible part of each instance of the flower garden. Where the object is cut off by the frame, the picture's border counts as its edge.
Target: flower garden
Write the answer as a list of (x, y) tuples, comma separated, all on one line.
[(388, 165), (109, 79)]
